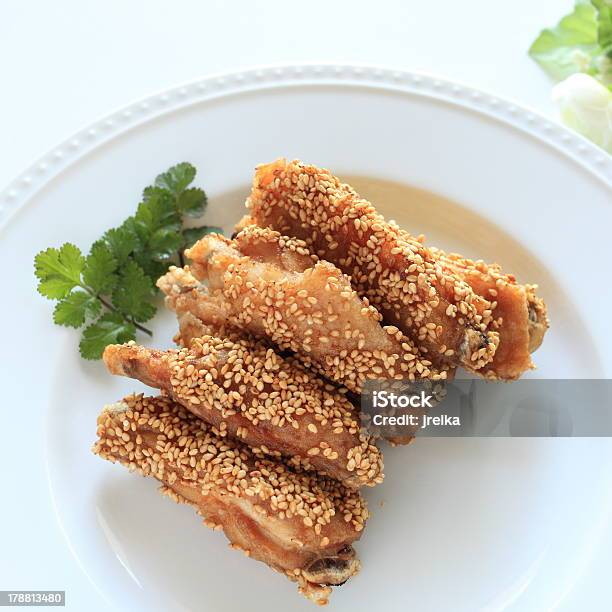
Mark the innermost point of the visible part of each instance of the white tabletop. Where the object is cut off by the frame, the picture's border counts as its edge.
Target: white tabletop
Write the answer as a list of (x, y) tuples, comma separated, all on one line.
[(68, 62)]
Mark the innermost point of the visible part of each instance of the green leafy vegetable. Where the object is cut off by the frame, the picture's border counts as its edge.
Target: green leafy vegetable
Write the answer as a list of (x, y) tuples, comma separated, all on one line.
[(157, 224), (122, 241), (76, 308), (570, 47), (177, 178), (604, 26), (58, 271), (133, 294), (99, 271), (110, 328), (578, 52), (113, 288), (192, 202), (581, 42)]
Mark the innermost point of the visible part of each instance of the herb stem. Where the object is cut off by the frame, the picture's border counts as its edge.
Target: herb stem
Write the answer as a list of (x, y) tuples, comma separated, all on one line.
[(107, 304), (113, 309), (140, 327), (143, 329)]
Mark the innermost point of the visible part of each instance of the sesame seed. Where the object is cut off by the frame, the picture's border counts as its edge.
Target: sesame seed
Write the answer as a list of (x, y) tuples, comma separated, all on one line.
[(308, 308), (239, 385), (395, 271), (243, 475)]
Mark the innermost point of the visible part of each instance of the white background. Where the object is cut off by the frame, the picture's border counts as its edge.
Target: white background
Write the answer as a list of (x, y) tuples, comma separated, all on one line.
[(65, 63)]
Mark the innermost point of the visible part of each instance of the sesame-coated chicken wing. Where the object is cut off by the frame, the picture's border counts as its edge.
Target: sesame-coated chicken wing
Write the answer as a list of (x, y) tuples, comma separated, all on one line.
[(196, 310), (191, 328), (519, 316), (272, 287), (400, 277), (247, 391), (299, 523)]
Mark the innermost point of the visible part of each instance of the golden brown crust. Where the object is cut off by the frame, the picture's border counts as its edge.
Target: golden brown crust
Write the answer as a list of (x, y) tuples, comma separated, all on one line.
[(185, 294), (399, 276), (191, 328), (296, 522), (247, 391), (519, 316), (538, 318), (271, 287)]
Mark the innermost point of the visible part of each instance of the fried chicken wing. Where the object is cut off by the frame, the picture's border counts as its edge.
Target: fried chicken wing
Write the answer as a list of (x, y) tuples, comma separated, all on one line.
[(186, 295), (247, 391), (299, 523), (398, 275), (519, 315), (271, 287), (191, 328)]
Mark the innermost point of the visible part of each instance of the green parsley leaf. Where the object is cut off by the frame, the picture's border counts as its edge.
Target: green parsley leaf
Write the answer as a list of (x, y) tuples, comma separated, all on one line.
[(123, 265), (193, 234), (121, 241), (164, 243), (110, 328), (157, 224), (156, 211), (571, 46), (138, 235), (177, 178), (73, 310), (59, 271), (152, 268), (192, 202), (133, 293), (100, 266)]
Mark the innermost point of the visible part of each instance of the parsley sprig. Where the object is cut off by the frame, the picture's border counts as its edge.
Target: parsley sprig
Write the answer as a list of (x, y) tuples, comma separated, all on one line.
[(112, 289)]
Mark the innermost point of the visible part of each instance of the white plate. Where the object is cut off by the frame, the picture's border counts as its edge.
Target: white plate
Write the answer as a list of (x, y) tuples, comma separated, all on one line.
[(466, 524)]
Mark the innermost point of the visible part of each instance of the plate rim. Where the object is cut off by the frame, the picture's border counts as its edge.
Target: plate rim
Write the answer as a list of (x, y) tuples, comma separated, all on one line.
[(271, 76)]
